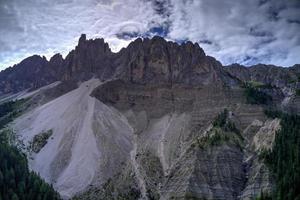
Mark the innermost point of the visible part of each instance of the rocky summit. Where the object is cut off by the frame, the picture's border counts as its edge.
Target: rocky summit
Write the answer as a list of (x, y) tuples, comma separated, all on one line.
[(156, 120)]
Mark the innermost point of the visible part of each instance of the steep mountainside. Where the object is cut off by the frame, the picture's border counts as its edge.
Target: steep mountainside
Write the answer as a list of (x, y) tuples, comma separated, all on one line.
[(157, 120)]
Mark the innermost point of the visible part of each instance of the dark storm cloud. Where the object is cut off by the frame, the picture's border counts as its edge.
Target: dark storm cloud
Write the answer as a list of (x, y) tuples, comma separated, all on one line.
[(240, 31)]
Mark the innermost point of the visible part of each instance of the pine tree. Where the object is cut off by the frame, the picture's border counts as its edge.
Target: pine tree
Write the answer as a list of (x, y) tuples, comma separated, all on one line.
[(15, 197), (285, 156)]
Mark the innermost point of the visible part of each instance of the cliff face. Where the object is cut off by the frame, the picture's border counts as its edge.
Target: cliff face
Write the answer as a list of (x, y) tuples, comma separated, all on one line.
[(267, 74), (90, 57), (281, 83), (177, 154), (141, 123), (157, 62)]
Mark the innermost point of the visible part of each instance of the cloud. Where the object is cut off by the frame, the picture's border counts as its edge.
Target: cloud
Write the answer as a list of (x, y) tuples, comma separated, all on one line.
[(47, 27), (246, 32)]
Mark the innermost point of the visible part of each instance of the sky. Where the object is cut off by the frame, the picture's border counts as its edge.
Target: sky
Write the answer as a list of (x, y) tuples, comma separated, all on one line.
[(247, 32)]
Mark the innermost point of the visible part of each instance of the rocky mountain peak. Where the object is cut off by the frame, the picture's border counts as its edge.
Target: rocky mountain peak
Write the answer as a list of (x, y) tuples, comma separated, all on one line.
[(98, 45), (153, 61), (33, 59), (82, 39), (157, 61), (87, 58), (56, 59)]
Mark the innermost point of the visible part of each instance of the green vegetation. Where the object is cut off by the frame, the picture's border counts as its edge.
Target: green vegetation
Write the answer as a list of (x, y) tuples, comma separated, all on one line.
[(10, 110), (223, 131), (284, 159), (190, 196), (273, 113), (291, 80), (218, 137), (255, 95), (223, 122), (129, 193), (40, 140), (263, 196), (16, 181), (298, 92), (257, 85)]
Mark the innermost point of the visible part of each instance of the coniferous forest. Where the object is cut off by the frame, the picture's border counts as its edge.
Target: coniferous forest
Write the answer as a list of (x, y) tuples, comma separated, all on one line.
[(284, 159), (16, 181)]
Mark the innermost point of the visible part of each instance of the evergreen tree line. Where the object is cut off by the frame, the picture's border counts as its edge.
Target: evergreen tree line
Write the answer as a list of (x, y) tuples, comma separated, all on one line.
[(17, 182), (9, 110), (284, 159), (255, 95)]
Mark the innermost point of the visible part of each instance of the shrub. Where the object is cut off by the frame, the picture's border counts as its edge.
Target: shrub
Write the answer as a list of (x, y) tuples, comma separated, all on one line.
[(223, 122), (273, 113), (220, 120), (256, 96)]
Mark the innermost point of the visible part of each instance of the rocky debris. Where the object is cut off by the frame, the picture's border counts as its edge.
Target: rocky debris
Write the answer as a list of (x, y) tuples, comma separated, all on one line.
[(260, 138), (121, 186), (258, 179), (265, 137), (212, 173), (90, 140), (40, 140), (137, 171)]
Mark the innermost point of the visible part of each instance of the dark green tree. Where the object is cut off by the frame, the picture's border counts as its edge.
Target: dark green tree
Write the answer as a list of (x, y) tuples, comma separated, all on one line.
[(284, 159)]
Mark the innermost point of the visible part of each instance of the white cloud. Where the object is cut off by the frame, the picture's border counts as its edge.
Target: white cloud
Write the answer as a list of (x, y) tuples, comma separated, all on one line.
[(54, 26), (240, 31), (232, 31)]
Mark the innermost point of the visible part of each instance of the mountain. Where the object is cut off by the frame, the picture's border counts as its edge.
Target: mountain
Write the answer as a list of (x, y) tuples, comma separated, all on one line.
[(157, 120)]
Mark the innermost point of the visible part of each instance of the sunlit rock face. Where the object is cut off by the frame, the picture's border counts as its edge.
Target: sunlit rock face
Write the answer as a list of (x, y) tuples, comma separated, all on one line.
[(139, 124)]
